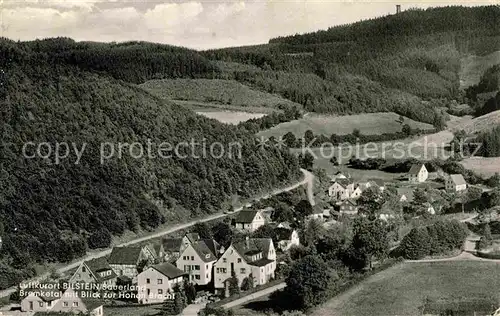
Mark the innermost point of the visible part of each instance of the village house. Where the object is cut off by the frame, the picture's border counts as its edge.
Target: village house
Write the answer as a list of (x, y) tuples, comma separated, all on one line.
[(156, 283), (125, 261), (418, 173), (405, 194), (357, 192), (341, 190), (249, 220), (286, 238), (455, 183), (339, 175), (94, 271), (197, 260), (317, 214), (429, 208), (252, 257), (348, 207), (173, 247), (54, 300)]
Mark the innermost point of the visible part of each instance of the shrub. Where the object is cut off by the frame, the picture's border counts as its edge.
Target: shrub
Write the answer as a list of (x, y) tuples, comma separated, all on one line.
[(417, 244)]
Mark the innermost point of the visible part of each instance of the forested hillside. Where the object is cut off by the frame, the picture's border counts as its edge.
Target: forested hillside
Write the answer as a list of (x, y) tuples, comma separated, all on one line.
[(55, 211), (385, 64)]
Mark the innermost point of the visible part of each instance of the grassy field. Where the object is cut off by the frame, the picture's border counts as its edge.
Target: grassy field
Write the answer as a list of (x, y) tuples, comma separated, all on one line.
[(485, 167), (368, 124), (228, 92), (403, 289), (472, 67)]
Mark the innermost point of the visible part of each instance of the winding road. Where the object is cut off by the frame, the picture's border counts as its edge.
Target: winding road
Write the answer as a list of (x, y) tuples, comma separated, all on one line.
[(307, 180)]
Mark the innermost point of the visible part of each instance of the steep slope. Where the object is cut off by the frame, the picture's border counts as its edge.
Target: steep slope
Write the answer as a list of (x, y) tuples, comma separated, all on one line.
[(415, 54), (52, 211)]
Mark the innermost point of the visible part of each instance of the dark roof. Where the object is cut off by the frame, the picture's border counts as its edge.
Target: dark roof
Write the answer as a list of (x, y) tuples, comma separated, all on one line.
[(415, 169), (91, 304), (344, 182), (378, 182), (261, 262), (98, 265), (408, 192), (125, 255), (458, 179), (172, 244), (193, 237), (207, 249), (168, 270), (351, 202), (246, 216), (253, 245)]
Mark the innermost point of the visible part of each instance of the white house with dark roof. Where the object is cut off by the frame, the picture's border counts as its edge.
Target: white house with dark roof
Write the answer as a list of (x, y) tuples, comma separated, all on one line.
[(125, 260), (197, 260), (286, 238), (94, 271), (455, 183), (173, 247), (156, 283), (249, 220), (252, 256), (418, 173), (341, 189), (405, 194)]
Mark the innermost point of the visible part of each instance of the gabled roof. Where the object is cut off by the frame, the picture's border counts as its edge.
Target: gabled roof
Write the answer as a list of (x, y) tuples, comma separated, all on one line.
[(91, 304), (458, 179), (415, 169), (344, 182), (207, 249), (408, 192), (172, 244), (193, 237), (247, 248), (246, 216), (98, 265), (168, 270), (125, 255)]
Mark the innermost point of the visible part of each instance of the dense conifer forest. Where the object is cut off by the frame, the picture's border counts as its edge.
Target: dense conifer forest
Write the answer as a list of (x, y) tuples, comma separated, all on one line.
[(55, 211)]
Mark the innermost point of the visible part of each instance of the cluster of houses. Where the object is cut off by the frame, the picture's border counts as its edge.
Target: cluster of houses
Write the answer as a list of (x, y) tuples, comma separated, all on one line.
[(344, 192), (155, 270)]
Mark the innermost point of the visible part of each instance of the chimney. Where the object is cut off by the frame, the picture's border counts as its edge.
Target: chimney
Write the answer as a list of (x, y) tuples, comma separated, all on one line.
[(398, 8)]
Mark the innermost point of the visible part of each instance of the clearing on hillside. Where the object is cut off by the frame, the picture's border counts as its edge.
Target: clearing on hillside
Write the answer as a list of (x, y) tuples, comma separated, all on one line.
[(220, 91), (472, 67), (405, 289), (479, 124), (368, 124)]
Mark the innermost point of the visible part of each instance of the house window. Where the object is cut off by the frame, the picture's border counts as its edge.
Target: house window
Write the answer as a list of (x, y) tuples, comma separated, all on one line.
[(197, 277), (148, 281), (160, 291), (75, 304), (65, 304), (242, 271), (239, 260), (84, 269), (31, 305), (41, 304), (49, 303), (197, 267), (192, 257), (160, 281), (224, 260)]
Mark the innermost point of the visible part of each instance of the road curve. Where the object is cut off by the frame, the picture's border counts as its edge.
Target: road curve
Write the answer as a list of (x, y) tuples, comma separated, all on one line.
[(307, 180)]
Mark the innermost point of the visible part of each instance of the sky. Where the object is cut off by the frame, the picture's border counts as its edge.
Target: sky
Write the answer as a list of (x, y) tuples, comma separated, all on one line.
[(198, 24)]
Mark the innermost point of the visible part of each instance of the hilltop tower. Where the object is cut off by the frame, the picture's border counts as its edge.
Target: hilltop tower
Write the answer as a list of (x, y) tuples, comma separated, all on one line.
[(398, 8)]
